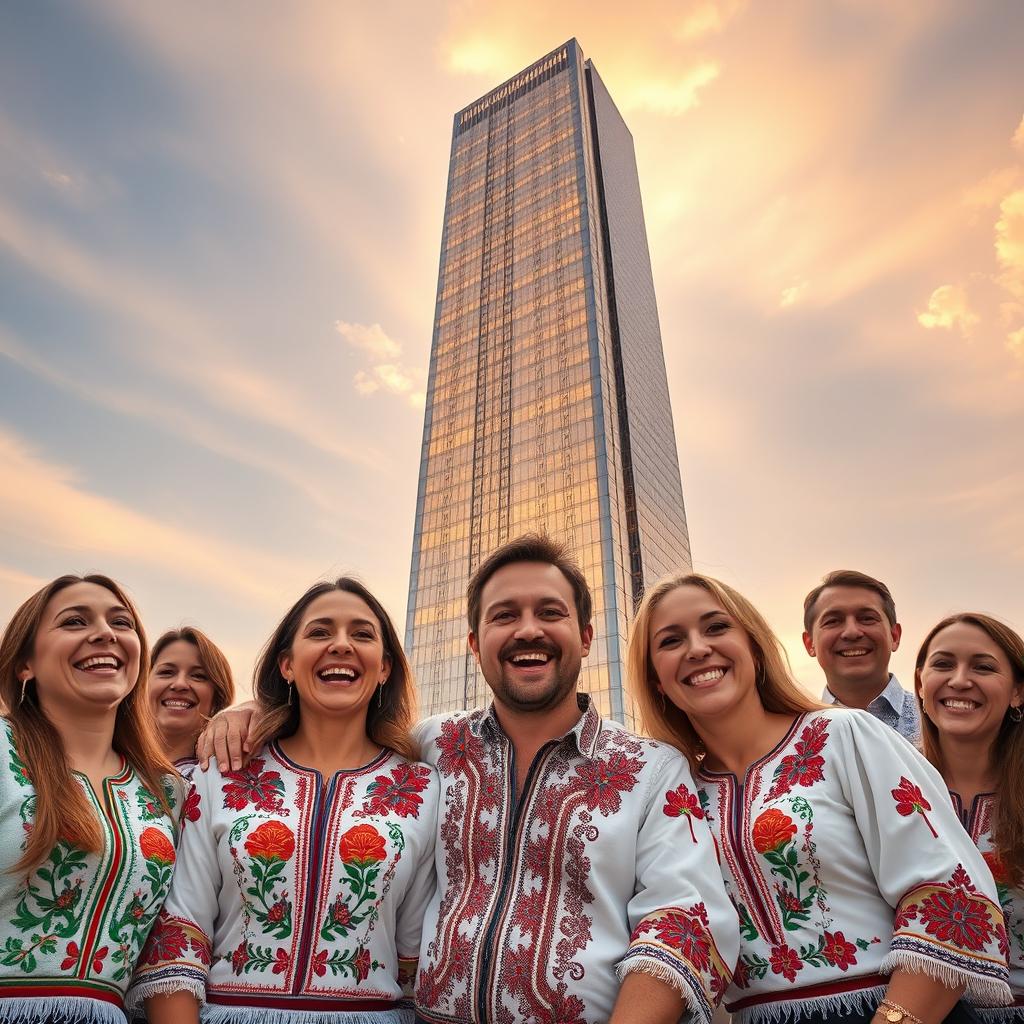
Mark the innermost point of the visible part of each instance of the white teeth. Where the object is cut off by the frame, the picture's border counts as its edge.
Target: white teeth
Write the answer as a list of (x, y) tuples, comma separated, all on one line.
[(964, 705), (856, 653), (338, 673), (707, 677), (171, 703), (99, 662), (530, 658)]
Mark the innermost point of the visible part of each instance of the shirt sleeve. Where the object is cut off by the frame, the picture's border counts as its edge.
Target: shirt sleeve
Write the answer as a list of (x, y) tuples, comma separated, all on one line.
[(685, 931), (948, 924), (176, 956), (409, 923)]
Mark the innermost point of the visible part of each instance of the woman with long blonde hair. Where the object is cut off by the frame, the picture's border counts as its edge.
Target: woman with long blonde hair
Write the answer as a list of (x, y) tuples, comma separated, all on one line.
[(859, 895), (189, 682), (970, 684), (304, 875), (86, 832)]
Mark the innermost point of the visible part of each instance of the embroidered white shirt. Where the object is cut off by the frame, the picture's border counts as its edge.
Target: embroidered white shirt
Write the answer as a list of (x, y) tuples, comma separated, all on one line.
[(603, 865), (845, 861)]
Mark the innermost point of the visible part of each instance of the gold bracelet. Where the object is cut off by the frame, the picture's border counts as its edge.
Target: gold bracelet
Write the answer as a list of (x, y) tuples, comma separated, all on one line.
[(894, 1013)]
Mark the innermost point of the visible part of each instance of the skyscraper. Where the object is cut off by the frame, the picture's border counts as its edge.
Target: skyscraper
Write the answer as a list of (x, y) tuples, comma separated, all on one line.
[(547, 400)]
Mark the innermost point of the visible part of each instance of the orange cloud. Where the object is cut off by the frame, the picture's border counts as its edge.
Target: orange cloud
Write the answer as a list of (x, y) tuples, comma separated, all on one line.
[(948, 308), (1010, 243)]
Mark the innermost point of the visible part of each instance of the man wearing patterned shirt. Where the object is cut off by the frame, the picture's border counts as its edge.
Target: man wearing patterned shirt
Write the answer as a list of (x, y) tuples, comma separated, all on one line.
[(571, 853), (850, 627)]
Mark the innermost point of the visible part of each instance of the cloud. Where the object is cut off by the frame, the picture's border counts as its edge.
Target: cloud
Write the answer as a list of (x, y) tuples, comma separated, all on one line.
[(671, 96), (1010, 243), (1018, 135), (792, 295), (707, 18), (391, 376), (47, 507), (948, 308), (370, 337), (1015, 344), (58, 179)]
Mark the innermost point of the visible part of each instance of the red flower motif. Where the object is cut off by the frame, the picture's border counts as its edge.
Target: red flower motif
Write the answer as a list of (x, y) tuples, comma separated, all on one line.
[(98, 957), (803, 768), (772, 830), (784, 961), (680, 802), (281, 962), (362, 845), (190, 808), (273, 840), (457, 745), (741, 976), (687, 932), (201, 948), (953, 915), (516, 970), (603, 781), (838, 952), (340, 914), (252, 784), (400, 793), (239, 958), (156, 846), (276, 914), (320, 963), (71, 958), (904, 915), (362, 964), (910, 800), (166, 941), (997, 867)]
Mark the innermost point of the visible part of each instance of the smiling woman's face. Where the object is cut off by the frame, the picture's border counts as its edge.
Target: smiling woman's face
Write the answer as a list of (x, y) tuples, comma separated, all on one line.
[(86, 651), (180, 691)]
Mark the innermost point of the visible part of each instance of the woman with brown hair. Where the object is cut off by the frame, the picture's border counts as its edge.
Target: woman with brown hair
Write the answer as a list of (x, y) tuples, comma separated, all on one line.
[(189, 682), (970, 682), (304, 875), (86, 833), (859, 895)]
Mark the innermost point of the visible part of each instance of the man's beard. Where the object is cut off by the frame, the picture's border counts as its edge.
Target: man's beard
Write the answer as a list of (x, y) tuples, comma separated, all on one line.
[(534, 697)]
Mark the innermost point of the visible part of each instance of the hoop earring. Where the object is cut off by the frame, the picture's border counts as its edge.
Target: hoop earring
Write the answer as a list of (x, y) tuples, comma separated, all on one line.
[(1017, 713)]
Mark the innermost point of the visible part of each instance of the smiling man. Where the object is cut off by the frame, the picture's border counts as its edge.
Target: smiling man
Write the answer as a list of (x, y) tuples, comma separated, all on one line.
[(571, 853), (850, 627)]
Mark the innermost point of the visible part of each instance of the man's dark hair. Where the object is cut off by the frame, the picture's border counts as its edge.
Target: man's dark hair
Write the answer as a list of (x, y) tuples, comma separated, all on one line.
[(530, 547), (849, 578)]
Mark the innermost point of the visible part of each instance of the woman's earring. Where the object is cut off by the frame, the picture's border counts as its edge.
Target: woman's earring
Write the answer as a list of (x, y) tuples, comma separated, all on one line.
[(24, 684), (1016, 713), (291, 690), (380, 694)]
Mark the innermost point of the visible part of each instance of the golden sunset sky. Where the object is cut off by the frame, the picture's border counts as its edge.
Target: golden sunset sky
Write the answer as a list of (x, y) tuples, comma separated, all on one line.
[(219, 234)]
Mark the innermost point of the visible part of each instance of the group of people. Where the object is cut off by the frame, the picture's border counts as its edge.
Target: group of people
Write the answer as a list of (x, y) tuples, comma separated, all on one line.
[(316, 855)]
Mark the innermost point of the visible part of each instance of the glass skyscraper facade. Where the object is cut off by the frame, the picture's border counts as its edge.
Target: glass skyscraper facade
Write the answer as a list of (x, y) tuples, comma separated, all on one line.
[(547, 402)]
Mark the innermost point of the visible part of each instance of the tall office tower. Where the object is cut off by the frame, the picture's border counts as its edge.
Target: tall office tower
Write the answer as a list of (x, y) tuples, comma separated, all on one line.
[(547, 401)]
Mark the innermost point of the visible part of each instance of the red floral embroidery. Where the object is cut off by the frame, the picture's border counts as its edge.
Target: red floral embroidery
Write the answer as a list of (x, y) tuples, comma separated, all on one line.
[(362, 844), (399, 794), (804, 767), (955, 915), (838, 952), (166, 942), (680, 802), (201, 950), (772, 830), (904, 915), (362, 964), (98, 957), (997, 867), (252, 785), (156, 846), (273, 840), (910, 800), (687, 932), (190, 808), (603, 781), (785, 961), (71, 958), (281, 962)]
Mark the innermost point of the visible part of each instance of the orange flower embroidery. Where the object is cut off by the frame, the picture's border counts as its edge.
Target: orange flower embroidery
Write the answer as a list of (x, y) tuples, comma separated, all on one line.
[(273, 840), (362, 844), (156, 846), (772, 829)]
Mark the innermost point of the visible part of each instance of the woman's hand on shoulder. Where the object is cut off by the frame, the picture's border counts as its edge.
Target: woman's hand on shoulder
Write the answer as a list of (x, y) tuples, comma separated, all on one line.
[(226, 737)]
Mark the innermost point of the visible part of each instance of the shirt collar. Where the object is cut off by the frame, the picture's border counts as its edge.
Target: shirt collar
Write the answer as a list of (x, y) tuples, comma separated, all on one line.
[(583, 734), (894, 695)]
